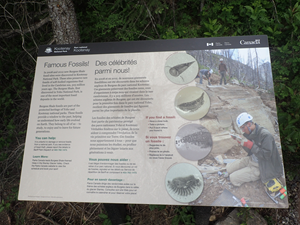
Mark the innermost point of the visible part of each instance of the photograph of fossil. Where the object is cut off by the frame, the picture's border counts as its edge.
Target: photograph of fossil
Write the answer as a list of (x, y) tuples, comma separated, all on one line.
[(184, 182), (193, 142), (181, 68), (192, 103)]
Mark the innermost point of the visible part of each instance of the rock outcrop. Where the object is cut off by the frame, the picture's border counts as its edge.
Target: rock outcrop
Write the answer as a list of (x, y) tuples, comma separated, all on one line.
[(227, 102)]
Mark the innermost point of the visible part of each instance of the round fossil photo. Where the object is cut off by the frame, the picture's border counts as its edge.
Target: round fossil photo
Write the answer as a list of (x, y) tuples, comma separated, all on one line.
[(181, 68), (184, 182), (192, 103), (193, 142)]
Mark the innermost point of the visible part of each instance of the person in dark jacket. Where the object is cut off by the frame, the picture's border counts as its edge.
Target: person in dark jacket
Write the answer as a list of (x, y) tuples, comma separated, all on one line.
[(263, 160), (222, 71)]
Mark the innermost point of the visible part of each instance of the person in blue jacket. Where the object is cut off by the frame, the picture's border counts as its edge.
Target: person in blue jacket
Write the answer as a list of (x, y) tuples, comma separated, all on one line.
[(206, 73)]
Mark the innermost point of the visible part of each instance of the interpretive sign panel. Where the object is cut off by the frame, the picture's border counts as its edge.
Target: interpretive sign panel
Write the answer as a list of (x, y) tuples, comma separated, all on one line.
[(155, 122)]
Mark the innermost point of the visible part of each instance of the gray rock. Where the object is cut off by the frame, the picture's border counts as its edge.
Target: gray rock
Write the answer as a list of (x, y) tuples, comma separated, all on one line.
[(242, 215)]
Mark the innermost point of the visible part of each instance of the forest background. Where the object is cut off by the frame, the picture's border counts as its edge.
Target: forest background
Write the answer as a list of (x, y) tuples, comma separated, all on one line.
[(24, 25)]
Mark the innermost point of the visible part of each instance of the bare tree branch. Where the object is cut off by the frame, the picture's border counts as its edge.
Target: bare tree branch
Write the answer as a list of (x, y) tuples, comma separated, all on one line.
[(201, 5), (29, 29), (29, 26), (141, 34), (46, 218), (152, 19), (51, 41), (174, 20), (20, 28)]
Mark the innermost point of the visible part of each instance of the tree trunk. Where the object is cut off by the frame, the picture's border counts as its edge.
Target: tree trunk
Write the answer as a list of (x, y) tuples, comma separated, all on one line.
[(257, 71), (64, 21)]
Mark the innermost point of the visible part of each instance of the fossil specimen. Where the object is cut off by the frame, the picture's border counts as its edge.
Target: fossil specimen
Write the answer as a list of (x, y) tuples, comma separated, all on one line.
[(193, 105), (200, 138), (175, 71), (184, 186)]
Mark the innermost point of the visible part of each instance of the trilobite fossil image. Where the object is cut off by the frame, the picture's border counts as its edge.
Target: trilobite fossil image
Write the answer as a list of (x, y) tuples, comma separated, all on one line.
[(192, 105), (184, 186), (184, 182), (181, 68)]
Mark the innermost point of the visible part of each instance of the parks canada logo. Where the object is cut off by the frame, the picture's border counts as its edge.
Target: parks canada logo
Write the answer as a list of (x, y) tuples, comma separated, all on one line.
[(255, 42), (48, 50)]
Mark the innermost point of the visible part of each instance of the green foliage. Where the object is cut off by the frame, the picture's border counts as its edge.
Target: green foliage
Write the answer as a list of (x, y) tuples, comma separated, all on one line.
[(20, 216), (257, 17), (269, 220), (213, 27), (4, 206), (10, 199), (285, 63), (244, 214), (133, 20), (128, 220), (184, 215), (159, 207), (169, 34), (13, 196), (106, 220)]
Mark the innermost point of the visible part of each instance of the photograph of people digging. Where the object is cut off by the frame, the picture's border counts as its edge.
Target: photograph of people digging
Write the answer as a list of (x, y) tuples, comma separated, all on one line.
[(245, 166)]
